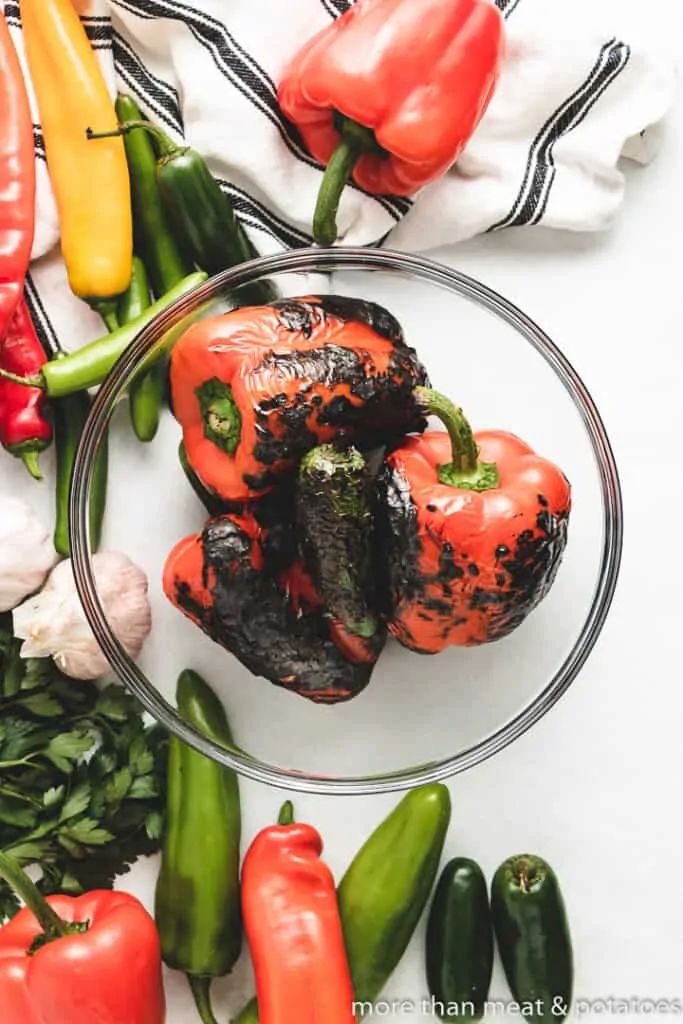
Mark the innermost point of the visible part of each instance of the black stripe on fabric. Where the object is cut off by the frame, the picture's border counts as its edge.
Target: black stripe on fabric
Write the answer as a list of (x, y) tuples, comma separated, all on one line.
[(242, 71), (337, 7), (506, 7), (156, 94), (562, 120), (96, 33), (47, 335), (262, 217), (11, 10), (330, 8), (618, 61)]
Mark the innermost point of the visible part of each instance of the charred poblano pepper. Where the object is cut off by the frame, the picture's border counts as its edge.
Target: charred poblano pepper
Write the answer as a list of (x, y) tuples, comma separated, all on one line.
[(334, 513), (256, 388), (223, 580)]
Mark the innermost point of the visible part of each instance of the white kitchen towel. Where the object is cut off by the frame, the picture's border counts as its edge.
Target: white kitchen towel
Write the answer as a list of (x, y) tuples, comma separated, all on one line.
[(571, 102)]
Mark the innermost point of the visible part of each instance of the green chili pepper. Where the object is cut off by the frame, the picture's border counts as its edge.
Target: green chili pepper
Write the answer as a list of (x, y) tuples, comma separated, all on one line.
[(153, 236), (90, 364), (459, 942), (197, 900), (208, 232), (532, 933), (147, 390), (385, 890)]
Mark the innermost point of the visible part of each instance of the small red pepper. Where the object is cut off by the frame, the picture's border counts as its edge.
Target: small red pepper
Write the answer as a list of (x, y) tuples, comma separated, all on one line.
[(78, 960), (390, 93), (25, 430), (17, 179), (473, 531), (292, 923)]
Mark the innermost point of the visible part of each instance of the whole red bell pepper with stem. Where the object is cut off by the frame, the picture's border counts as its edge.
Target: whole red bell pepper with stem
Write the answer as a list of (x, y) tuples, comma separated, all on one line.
[(77, 960), (25, 427), (471, 534), (390, 93), (293, 926), (17, 179)]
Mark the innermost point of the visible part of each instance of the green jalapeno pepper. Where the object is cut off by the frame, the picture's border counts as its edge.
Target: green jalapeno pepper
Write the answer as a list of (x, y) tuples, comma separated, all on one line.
[(197, 900), (532, 933), (459, 942)]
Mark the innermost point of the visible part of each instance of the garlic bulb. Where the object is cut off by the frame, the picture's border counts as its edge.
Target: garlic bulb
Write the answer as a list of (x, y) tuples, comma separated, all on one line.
[(52, 623), (26, 552)]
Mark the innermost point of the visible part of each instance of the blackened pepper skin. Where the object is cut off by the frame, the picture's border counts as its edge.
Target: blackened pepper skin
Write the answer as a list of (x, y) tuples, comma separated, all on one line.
[(471, 530), (273, 624), (256, 388)]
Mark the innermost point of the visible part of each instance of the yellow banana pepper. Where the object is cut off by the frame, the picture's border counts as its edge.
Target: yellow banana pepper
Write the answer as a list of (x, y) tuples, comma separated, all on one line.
[(89, 178)]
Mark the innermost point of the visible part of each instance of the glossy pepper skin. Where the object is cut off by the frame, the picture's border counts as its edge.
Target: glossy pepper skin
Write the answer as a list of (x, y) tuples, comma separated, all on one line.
[(377, 96), (229, 582), (292, 924), (91, 958), (25, 428), (96, 223), (17, 180), (256, 388), (472, 530), (197, 899)]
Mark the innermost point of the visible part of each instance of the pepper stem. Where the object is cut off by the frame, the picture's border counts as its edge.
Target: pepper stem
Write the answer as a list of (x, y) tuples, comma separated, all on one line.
[(106, 308), (286, 815), (165, 145), (31, 460), (465, 471), (26, 382), (200, 984), (355, 140), (51, 923)]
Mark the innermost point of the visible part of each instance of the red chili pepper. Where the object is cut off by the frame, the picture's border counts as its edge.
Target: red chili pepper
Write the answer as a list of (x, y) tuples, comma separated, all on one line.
[(292, 923), (17, 179), (474, 528), (79, 960), (391, 92), (25, 429)]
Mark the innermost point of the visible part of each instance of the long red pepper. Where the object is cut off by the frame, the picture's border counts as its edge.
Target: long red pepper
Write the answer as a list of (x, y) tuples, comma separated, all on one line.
[(25, 429), (17, 179), (292, 924)]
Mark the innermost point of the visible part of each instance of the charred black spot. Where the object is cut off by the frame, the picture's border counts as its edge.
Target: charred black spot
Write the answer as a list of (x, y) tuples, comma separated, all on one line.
[(448, 567), (473, 569), (431, 508), (502, 550), (501, 579), (542, 501), (254, 619)]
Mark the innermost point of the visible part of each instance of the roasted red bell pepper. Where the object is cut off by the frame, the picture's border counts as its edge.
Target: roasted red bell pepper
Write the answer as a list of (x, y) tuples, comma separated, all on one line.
[(25, 429), (292, 923), (390, 93), (256, 388), (231, 584), (17, 179), (66, 960), (473, 530)]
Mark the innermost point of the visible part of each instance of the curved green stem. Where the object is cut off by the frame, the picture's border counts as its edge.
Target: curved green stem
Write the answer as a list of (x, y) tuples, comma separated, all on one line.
[(30, 458), (355, 140), (465, 470), (165, 145), (106, 308), (286, 815), (26, 382), (53, 926), (200, 985)]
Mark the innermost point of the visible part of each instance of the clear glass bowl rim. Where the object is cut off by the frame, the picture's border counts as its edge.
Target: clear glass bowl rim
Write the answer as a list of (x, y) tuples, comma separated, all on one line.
[(316, 260)]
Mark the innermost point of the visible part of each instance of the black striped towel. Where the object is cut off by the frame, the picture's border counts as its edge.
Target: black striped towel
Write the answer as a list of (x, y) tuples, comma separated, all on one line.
[(570, 103)]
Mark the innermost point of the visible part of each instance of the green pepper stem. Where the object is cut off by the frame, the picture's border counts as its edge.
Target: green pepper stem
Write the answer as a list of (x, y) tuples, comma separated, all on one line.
[(465, 470), (51, 923), (355, 140), (286, 815), (200, 984), (26, 382), (167, 147), (106, 308), (31, 460)]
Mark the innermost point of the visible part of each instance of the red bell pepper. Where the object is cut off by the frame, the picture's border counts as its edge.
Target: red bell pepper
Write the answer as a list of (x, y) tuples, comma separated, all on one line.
[(66, 960), (474, 528), (25, 429), (17, 179), (390, 93), (292, 923)]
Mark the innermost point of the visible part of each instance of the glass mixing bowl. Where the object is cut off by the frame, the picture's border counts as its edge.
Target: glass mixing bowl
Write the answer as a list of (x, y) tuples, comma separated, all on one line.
[(422, 718)]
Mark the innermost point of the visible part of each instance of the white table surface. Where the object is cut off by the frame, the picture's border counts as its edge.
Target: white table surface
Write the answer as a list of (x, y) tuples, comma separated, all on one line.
[(595, 787)]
